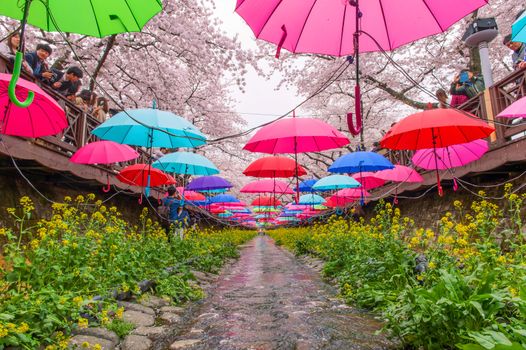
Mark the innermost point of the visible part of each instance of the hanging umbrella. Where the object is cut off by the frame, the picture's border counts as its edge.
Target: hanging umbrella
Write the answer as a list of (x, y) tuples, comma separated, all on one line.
[(88, 17), (435, 128), (518, 29), (517, 109), (400, 173), (369, 180), (186, 163), (352, 193), (310, 199), (262, 209), (335, 182), (224, 198), (139, 174), (338, 202), (191, 195), (274, 167), (450, 157), (44, 118), (208, 183), (357, 162), (103, 152), (296, 135), (266, 201), (306, 185), (267, 186), (150, 128)]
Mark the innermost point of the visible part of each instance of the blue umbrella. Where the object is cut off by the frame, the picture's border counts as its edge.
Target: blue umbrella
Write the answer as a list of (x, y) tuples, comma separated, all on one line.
[(224, 198), (308, 199), (518, 29), (150, 128), (357, 162), (306, 185), (187, 163), (335, 182), (208, 183)]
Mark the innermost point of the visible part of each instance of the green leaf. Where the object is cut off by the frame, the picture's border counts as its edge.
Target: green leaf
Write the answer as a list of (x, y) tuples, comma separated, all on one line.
[(485, 341), (6, 317), (500, 338), (477, 306)]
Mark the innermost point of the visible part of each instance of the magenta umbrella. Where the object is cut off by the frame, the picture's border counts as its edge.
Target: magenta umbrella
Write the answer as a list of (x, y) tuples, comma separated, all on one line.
[(44, 117), (450, 157), (296, 135), (368, 180), (516, 110), (400, 173), (103, 152), (267, 186)]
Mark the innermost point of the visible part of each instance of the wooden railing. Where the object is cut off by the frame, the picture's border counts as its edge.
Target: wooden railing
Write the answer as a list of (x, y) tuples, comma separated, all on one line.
[(80, 125)]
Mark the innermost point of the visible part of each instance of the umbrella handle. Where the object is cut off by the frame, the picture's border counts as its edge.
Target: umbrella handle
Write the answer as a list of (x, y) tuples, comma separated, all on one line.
[(14, 79), (282, 40), (140, 199), (107, 188), (440, 190), (395, 199), (455, 185), (147, 189)]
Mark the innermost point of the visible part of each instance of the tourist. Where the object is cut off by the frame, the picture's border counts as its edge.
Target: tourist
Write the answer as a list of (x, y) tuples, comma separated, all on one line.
[(37, 62), (101, 109), (68, 84), (518, 56), (443, 100), (82, 100), (9, 48), (178, 216), (466, 85)]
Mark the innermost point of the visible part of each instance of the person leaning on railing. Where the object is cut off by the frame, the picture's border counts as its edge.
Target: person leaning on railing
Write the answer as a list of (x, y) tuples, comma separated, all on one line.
[(519, 52), (466, 85), (9, 47)]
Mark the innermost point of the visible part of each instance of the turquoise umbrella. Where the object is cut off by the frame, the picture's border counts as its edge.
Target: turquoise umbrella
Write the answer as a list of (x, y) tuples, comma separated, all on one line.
[(150, 128), (518, 29), (335, 182), (311, 199), (186, 163)]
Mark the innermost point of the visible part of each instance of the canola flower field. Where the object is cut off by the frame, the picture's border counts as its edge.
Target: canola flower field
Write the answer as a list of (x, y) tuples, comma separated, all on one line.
[(459, 285), (61, 273)]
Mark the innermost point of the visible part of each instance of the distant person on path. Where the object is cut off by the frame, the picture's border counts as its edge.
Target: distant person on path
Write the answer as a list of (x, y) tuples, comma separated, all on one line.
[(178, 216), (518, 56), (466, 85)]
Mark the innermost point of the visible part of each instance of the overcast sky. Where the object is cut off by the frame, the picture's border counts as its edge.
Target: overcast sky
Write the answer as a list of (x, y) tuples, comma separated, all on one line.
[(261, 96)]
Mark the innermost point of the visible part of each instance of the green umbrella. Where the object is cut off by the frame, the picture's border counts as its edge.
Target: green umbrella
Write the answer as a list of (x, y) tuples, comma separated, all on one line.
[(98, 18)]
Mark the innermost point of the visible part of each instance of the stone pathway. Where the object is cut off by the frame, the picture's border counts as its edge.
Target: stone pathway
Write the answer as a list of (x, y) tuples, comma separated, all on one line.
[(270, 300)]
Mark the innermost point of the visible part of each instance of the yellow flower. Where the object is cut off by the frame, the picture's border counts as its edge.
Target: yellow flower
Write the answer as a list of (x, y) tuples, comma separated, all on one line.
[(432, 265), (501, 259), (24, 327), (97, 347), (67, 199), (83, 322), (85, 344), (3, 231)]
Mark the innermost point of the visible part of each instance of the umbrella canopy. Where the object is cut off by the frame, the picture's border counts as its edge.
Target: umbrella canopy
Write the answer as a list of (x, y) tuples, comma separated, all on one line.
[(338, 202), (208, 183), (150, 128), (224, 198), (274, 167), (138, 174), (400, 173), (306, 185), (267, 186), (186, 163), (42, 118), (191, 195), (518, 108), (518, 29), (369, 180), (265, 210), (266, 201), (103, 152), (450, 157), (89, 17), (335, 182), (309, 199), (360, 161), (296, 135), (327, 26), (435, 128), (352, 193)]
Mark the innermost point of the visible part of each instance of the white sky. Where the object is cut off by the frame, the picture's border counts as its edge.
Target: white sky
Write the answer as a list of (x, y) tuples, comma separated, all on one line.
[(261, 96)]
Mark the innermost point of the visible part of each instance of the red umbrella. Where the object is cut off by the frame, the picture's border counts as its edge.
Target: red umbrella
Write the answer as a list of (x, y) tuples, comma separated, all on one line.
[(44, 117), (368, 180), (191, 195), (266, 201), (137, 175), (274, 167), (435, 128), (267, 186)]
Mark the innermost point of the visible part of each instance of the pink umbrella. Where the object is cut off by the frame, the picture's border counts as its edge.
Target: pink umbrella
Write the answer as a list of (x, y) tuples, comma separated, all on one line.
[(450, 157), (44, 117), (516, 110), (368, 180), (352, 193), (103, 152), (267, 186), (190, 195), (400, 173)]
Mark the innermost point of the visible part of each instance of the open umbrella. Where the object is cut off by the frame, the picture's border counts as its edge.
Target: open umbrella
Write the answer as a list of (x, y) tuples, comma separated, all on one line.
[(266, 201), (191, 195), (517, 109), (335, 182), (368, 180), (357, 162), (89, 17), (208, 183), (274, 167), (311, 199), (186, 163), (44, 118), (306, 185), (267, 186), (400, 173), (450, 157), (518, 29), (140, 174), (435, 128), (103, 152)]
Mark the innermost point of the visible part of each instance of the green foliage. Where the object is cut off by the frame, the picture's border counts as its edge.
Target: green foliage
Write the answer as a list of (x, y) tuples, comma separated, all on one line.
[(120, 327)]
